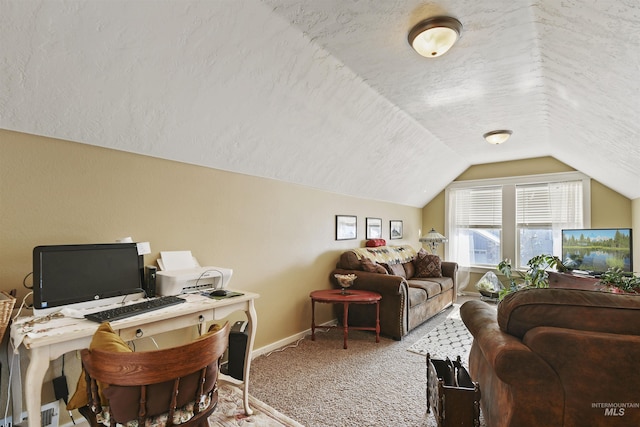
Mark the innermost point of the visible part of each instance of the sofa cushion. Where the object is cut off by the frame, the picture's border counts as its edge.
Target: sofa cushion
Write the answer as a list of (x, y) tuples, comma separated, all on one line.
[(432, 288), (371, 266), (417, 296), (427, 265), (395, 269), (445, 283), (577, 309), (349, 260), (409, 269)]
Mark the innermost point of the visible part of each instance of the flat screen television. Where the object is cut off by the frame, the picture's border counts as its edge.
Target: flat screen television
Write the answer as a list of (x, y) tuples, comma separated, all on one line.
[(92, 273), (596, 250)]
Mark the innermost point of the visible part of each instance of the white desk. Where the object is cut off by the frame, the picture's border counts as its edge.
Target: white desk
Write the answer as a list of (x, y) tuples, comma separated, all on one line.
[(48, 342)]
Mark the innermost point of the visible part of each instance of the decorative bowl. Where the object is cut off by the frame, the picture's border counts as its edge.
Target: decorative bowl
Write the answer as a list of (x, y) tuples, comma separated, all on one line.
[(345, 281)]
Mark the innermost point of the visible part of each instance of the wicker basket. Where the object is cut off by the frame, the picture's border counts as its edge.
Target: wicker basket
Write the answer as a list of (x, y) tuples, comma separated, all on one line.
[(6, 307)]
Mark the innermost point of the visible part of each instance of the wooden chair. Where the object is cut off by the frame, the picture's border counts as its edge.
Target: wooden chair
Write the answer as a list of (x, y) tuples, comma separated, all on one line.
[(146, 385)]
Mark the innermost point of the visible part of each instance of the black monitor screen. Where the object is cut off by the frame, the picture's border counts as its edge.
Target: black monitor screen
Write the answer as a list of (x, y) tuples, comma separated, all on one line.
[(67, 274)]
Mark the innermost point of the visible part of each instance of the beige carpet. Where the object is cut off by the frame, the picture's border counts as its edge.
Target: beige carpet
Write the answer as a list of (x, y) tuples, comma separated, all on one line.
[(230, 411), (320, 384)]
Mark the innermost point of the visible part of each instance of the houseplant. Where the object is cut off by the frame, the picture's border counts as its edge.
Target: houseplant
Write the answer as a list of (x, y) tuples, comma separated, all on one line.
[(535, 277), (619, 281)]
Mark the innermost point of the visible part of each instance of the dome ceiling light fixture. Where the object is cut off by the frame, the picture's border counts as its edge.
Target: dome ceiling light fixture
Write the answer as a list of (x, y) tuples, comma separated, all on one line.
[(497, 136), (435, 36)]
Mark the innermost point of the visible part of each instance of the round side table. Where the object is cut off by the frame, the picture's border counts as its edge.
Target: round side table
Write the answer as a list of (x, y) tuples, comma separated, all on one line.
[(335, 296)]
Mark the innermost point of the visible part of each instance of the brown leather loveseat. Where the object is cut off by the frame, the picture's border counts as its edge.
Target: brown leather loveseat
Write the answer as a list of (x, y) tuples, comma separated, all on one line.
[(410, 293), (557, 357)]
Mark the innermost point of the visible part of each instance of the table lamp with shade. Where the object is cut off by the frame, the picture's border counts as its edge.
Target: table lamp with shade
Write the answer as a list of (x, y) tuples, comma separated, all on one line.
[(433, 239)]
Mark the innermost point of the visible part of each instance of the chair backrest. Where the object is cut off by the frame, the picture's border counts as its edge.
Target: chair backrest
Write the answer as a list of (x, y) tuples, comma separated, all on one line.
[(151, 384)]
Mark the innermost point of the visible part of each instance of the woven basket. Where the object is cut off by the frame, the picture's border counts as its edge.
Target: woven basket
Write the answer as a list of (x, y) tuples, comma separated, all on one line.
[(6, 307)]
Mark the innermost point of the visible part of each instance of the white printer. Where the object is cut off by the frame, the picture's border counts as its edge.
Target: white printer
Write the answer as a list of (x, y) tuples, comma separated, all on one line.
[(194, 279)]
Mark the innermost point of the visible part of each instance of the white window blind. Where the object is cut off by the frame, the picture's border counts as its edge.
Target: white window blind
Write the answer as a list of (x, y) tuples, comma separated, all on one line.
[(478, 207), (557, 203)]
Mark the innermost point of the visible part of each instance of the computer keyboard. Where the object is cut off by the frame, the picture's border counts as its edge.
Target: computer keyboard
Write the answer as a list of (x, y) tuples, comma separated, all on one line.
[(134, 309)]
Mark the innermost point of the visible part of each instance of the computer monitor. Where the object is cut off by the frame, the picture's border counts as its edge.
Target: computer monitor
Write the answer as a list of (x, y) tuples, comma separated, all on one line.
[(85, 275)]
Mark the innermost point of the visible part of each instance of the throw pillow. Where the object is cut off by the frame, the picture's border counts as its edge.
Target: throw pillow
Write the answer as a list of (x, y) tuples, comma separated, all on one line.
[(104, 339), (409, 269), (372, 243), (427, 265), (372, 266), (397, 270)]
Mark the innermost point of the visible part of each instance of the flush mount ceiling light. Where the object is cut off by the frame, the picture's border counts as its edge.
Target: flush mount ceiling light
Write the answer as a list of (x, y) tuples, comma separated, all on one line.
[(435, 36), (497, 136)]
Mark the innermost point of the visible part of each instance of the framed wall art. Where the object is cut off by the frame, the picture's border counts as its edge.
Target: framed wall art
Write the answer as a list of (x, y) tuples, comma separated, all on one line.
[(374, 228), (346, 227), (395, 229)]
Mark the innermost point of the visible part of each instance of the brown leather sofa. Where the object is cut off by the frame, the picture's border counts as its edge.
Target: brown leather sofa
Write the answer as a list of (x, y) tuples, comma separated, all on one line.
[(557, 357), (407, 301)]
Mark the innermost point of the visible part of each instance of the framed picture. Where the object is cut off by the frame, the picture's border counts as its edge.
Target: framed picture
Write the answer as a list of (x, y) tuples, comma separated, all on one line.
[(346, 227), (374, 228), (395, 229)]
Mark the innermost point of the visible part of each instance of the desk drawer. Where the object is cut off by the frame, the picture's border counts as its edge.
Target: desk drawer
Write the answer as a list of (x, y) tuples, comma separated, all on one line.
[(154, 327)]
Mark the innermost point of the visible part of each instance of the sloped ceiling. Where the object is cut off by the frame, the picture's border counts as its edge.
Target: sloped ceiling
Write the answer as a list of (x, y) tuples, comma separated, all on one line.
[(328, 93)]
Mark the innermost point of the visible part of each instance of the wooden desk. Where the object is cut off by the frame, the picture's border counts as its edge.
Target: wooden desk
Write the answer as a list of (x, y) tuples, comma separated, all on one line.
[(49, 343), (336, 296)]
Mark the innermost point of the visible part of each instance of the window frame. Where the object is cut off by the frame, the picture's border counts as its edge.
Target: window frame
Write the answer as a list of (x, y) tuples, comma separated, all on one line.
[(509, 235)]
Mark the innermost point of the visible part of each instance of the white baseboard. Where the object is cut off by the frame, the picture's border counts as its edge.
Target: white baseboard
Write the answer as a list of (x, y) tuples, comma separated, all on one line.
[(288, 340)]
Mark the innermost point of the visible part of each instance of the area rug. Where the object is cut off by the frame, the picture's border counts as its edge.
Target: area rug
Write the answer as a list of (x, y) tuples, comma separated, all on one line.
[(449, 339), (230, 411)]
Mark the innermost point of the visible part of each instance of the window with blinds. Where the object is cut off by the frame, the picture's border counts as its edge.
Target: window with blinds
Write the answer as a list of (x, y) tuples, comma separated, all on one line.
[(478, 224), (515, 218), (542, 211)]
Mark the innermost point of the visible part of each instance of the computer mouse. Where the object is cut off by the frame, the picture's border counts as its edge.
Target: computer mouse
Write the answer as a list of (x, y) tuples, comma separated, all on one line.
[(218, 293)]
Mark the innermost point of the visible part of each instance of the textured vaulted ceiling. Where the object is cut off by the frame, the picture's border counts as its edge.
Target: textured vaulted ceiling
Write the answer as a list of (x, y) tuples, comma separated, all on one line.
[(328, 93)]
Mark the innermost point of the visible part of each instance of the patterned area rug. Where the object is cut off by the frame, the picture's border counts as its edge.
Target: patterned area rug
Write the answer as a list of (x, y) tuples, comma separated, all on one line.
[(449, 339), (230, 411)]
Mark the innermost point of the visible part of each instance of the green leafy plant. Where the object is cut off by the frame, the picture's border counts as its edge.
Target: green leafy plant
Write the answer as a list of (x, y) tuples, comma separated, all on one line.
[(616, 279), (535, 277)]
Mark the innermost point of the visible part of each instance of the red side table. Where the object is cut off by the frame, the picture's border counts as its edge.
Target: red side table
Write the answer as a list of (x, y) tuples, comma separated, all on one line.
[(336, 296)]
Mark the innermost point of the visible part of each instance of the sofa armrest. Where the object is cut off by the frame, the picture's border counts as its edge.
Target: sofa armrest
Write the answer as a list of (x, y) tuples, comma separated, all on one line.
[(394, 305), (384, 284), (594, 367), (450, 269), (510, 359)]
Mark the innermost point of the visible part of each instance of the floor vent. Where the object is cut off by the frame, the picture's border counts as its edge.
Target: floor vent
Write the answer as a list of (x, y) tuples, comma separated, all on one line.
[(50, 414)]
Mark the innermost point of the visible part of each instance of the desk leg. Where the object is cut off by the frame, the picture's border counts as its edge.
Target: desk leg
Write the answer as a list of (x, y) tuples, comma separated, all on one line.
[(252, 324), (34, 377), (346, 323)]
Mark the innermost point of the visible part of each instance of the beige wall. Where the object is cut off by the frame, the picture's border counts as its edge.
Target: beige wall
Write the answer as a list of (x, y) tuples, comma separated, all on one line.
[(635, 223), (279, 238), (608, 208)]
